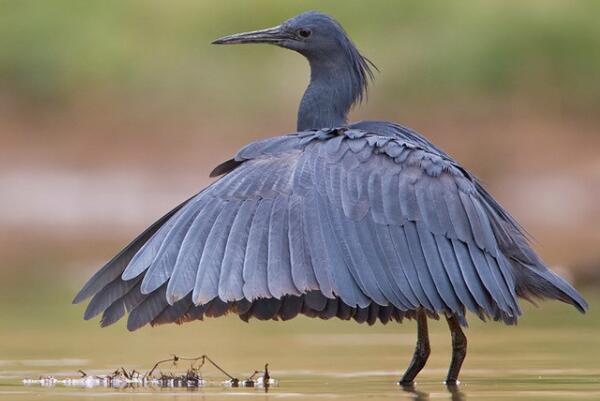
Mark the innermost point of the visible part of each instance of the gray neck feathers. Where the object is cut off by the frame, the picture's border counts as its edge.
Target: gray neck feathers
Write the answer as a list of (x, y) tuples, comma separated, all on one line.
[(336, 83)]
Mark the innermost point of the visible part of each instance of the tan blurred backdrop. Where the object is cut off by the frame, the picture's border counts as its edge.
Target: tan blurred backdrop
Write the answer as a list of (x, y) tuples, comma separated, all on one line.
[(111, 112)]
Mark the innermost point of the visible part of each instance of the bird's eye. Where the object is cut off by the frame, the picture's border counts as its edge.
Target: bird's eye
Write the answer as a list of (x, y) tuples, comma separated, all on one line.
[(304, 33)]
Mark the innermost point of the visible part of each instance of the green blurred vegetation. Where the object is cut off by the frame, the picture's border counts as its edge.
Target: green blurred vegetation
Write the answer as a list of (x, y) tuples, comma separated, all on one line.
[(55, 51)]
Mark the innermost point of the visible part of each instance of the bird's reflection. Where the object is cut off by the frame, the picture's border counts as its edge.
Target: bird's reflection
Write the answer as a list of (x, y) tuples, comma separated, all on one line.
[(416, 394), (456, 394), (453, 389)]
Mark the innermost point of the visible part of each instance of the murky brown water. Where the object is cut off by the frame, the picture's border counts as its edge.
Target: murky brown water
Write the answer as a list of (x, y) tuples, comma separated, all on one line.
[(553, 354)]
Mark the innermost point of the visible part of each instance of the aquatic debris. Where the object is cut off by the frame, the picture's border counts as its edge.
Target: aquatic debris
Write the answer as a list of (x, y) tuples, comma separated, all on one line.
[(192, 378)]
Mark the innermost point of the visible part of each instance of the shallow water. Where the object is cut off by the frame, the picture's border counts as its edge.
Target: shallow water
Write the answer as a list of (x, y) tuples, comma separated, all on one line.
[(553, 354), (492, 384)]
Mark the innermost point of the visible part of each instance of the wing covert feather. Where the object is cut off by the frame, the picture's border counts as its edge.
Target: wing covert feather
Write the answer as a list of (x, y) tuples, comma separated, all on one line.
[(375, 224)]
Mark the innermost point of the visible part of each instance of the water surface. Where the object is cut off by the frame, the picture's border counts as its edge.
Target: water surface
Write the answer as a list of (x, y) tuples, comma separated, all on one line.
[(553, 354)]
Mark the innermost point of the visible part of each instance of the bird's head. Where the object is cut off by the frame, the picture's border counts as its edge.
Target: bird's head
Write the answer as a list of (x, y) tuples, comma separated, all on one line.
[(337, 67), (313, 34)]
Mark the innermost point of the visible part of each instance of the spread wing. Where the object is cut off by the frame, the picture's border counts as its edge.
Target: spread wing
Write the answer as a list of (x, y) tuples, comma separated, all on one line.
[(347, 214)]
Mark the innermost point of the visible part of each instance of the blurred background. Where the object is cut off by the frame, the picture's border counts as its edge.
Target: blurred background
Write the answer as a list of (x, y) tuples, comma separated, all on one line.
[(112, 112)]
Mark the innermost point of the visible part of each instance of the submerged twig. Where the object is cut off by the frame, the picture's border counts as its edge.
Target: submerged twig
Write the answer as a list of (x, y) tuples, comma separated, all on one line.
[(218, 367), (192, 378), (157, 364)]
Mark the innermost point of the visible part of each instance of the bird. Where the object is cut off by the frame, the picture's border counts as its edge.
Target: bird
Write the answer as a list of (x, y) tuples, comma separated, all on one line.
[(366, 221)]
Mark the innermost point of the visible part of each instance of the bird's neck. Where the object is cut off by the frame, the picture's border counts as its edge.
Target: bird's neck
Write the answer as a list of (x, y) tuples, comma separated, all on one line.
[(330, 94)]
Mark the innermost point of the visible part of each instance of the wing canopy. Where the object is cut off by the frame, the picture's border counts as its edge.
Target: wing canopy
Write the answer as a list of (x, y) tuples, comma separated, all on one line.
[(376, 224)]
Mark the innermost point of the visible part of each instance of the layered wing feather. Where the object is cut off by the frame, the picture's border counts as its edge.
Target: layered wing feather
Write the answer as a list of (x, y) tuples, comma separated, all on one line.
[(366, 222)]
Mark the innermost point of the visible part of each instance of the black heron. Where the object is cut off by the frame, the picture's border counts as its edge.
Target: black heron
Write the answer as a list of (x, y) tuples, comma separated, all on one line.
[(366, 221)]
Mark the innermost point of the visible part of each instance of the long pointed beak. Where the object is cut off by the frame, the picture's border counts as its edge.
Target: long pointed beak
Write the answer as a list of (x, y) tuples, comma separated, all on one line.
[(270, 35)]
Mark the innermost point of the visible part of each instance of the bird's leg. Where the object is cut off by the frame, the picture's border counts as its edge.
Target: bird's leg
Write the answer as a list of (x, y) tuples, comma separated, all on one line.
[(459, 350), (422, 350)]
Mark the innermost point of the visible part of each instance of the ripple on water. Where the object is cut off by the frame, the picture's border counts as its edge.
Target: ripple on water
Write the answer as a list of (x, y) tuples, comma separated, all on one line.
[(44, 362)]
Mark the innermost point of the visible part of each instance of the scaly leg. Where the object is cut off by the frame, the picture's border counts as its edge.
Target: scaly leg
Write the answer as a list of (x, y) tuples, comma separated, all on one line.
[(459, 350), (422, 350)]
